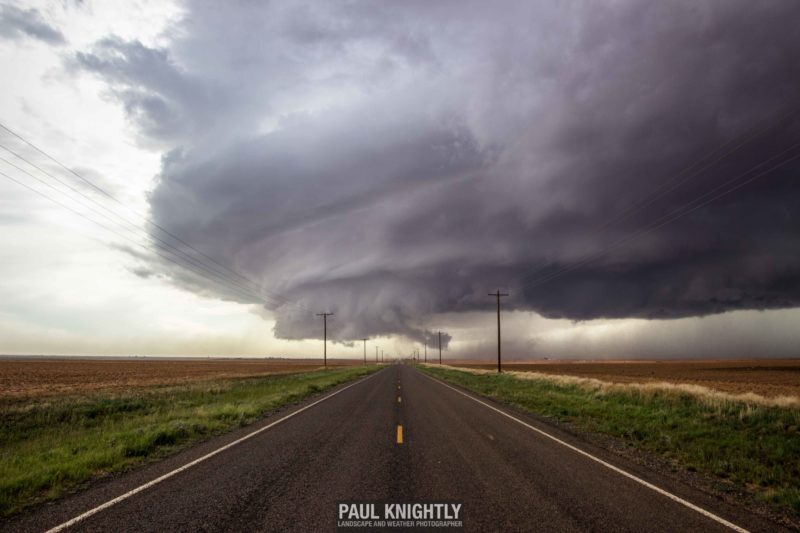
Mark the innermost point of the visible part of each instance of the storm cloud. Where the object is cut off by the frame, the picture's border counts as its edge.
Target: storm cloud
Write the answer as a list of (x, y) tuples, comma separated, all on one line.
[(391, 161), (16, 23)]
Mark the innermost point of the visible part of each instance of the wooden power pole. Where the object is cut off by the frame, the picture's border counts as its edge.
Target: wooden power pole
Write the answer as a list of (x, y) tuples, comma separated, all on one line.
[(325, 337), (498, 294)]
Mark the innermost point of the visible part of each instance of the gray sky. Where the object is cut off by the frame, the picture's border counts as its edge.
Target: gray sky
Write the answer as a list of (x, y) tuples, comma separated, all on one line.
[(625, 171)]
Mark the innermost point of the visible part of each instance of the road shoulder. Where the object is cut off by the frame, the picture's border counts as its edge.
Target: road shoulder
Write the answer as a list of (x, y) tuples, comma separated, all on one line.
[(705, 491)]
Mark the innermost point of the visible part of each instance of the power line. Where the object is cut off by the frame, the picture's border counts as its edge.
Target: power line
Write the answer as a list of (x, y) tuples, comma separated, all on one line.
[(674, 215), (167, 258), (156, 241), (144, 218), (166, 247), (668, 186), (230, 289)]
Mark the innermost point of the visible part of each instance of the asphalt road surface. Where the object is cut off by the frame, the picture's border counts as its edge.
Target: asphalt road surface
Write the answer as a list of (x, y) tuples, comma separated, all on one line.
[(291, 475)]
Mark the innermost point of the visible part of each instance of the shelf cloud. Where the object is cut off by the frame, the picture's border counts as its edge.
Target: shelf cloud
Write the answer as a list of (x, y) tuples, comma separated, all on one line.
[(391, 161)]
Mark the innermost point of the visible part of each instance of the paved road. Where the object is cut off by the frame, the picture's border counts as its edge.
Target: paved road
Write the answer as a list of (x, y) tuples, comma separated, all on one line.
[(291, 476)]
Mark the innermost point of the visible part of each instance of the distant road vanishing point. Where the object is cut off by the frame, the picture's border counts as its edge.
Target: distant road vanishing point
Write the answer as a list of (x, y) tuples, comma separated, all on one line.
[(399, 436)]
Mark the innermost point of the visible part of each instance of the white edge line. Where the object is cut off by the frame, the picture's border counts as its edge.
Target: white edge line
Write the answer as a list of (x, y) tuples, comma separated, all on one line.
[(168, 475), (641, 481)]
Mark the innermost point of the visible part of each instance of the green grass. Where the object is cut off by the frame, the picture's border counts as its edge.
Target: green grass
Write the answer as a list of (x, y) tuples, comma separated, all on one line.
[(754, 447), (50, 446)]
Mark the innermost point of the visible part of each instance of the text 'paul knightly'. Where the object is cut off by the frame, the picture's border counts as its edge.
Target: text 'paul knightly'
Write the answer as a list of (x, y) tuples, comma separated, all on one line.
[(404, 516), (399, 511)]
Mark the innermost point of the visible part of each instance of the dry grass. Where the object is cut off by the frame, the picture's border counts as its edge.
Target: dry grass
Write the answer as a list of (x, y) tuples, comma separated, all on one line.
[(37, 378), (766, 382), (705, 394)]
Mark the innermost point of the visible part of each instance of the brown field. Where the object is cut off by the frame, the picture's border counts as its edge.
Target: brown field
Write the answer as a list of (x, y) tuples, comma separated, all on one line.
[(28, 378), (769, 378)]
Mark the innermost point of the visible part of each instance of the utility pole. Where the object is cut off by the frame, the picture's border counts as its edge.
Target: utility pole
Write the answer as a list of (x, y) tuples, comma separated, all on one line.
[(325, 336), (365, 350), (440, 347), (426, 351), (382, 358), (376, 355), (498, 294)]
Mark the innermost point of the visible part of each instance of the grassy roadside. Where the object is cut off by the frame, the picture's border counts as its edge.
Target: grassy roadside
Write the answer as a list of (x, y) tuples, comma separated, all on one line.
[(755, 447), (49, 446)]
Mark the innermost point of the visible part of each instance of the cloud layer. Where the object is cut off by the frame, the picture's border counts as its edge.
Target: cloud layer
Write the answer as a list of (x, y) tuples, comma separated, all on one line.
[(16, 23), (394, 161)]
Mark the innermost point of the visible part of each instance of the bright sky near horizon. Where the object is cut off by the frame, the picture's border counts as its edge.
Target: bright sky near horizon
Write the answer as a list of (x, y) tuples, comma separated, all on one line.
[(394, 164)]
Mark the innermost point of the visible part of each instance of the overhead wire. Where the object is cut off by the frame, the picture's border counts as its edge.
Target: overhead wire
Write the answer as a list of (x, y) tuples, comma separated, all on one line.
[(272, 299), (731, 185), (227, 288), (152, 223), (155, 240), (670, 184)]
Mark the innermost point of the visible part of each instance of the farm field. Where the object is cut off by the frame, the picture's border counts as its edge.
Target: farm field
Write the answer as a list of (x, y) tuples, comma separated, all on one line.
[(59, 433), (769, 378), (32, 378)]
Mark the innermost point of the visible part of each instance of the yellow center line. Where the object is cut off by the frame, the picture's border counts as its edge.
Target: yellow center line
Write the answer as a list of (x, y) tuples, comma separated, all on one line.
[(399, 434)]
